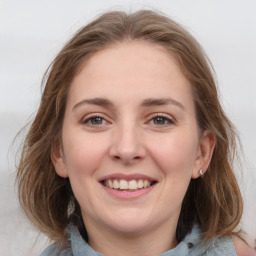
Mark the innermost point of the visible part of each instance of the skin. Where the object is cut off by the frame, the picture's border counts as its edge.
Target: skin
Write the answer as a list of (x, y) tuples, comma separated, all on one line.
[(243, 249), (128, 136)]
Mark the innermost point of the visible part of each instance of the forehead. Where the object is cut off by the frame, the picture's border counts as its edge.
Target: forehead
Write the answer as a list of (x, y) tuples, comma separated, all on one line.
[(138, 53), (134, 67)]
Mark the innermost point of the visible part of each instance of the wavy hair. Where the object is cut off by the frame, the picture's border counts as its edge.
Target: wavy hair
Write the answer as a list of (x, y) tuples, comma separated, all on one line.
[(47, 199)]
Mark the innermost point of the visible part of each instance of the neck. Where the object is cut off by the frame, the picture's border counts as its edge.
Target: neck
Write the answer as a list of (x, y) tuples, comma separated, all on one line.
[(151, 242)]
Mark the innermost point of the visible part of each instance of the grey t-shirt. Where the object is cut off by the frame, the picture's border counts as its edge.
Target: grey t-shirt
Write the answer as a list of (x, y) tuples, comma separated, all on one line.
[(190, 246)]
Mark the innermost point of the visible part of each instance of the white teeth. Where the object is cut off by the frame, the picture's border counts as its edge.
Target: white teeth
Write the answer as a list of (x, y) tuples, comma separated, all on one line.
[(140, 184), (125, 185), (110, 184), (115, 184), (146, 183), (133, 184)]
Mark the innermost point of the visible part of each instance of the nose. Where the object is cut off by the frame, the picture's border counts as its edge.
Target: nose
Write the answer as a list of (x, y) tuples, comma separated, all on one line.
[(127, 145)]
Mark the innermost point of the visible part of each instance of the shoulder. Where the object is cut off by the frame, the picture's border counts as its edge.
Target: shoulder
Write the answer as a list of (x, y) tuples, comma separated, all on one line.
[(51, 250), (216, 246), (242, 249), (54, 251)]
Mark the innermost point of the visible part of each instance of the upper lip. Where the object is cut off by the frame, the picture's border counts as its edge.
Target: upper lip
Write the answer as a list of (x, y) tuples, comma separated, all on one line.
[(119, 176)]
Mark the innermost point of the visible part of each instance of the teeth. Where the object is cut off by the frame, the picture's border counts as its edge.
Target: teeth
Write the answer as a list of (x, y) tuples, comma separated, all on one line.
[(109, 184), (115, 184), (146, 183), (133, 184), (140, 184), (123, 184), (127, 185)]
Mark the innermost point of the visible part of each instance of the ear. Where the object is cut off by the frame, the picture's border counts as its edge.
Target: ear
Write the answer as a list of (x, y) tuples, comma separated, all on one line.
[(58, 160), (204, 154)]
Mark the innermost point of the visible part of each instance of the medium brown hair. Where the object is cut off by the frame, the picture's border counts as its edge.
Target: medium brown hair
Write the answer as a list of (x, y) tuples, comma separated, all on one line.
[(47, 199)]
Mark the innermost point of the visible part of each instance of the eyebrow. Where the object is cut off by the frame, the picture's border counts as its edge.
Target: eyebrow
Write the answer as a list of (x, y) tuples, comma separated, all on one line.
[(95, 101), (162, 101), (146, 103)]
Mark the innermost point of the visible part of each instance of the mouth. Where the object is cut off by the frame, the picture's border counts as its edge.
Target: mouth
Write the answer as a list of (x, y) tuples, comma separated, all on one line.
[(129, 185)]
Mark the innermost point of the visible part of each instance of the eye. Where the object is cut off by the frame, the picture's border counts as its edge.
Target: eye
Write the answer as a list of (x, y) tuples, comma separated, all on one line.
[(161, 120), (94, 121)]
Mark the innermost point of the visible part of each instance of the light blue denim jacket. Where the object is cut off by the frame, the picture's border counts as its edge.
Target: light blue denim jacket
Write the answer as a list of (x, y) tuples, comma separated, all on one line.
[(190, 246)]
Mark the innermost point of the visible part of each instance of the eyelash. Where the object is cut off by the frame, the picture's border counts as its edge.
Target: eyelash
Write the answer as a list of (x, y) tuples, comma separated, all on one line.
[(88, 120), (91, 118), (164, 117)]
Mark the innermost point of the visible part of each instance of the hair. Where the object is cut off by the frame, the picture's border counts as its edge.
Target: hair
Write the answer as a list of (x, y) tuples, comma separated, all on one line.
[(47, 199)]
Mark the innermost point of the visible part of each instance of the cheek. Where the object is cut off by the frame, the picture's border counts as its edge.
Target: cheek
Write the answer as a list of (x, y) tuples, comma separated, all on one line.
[(83, 152), (175, 154), (175, 158)]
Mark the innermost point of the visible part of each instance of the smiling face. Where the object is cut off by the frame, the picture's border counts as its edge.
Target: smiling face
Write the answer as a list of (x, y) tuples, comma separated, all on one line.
[(130, 140)]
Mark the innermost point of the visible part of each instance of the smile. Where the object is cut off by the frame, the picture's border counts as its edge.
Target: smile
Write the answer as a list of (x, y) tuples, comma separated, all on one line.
[(128, 185), (125, 186)]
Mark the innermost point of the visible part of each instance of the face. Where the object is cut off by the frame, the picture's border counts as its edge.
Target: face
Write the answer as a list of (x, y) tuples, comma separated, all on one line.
[(130, 140)]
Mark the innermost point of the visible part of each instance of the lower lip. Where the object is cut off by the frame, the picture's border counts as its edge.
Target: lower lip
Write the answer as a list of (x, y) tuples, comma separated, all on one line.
[(128, 194)]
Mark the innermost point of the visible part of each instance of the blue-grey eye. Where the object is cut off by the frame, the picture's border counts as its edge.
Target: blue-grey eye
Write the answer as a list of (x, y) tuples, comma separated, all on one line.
[(159, 120), (96, 120)]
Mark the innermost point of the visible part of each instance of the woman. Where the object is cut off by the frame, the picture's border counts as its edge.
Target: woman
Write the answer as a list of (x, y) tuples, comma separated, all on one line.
[(130, 152)]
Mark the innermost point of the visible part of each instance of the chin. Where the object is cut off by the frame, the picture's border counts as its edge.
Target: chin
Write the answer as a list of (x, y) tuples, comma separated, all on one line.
[(130, 228), (132, 222)]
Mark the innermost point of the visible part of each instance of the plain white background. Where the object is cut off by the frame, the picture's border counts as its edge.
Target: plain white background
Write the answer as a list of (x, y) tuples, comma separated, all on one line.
[(31, 34)]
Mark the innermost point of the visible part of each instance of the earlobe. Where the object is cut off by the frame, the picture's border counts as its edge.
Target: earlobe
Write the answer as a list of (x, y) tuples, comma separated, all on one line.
[(58, 161), (204, 156)]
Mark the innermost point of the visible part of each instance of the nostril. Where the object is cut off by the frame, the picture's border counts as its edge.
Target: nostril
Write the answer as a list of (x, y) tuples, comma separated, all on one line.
[(117, 157), (126, 159)]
